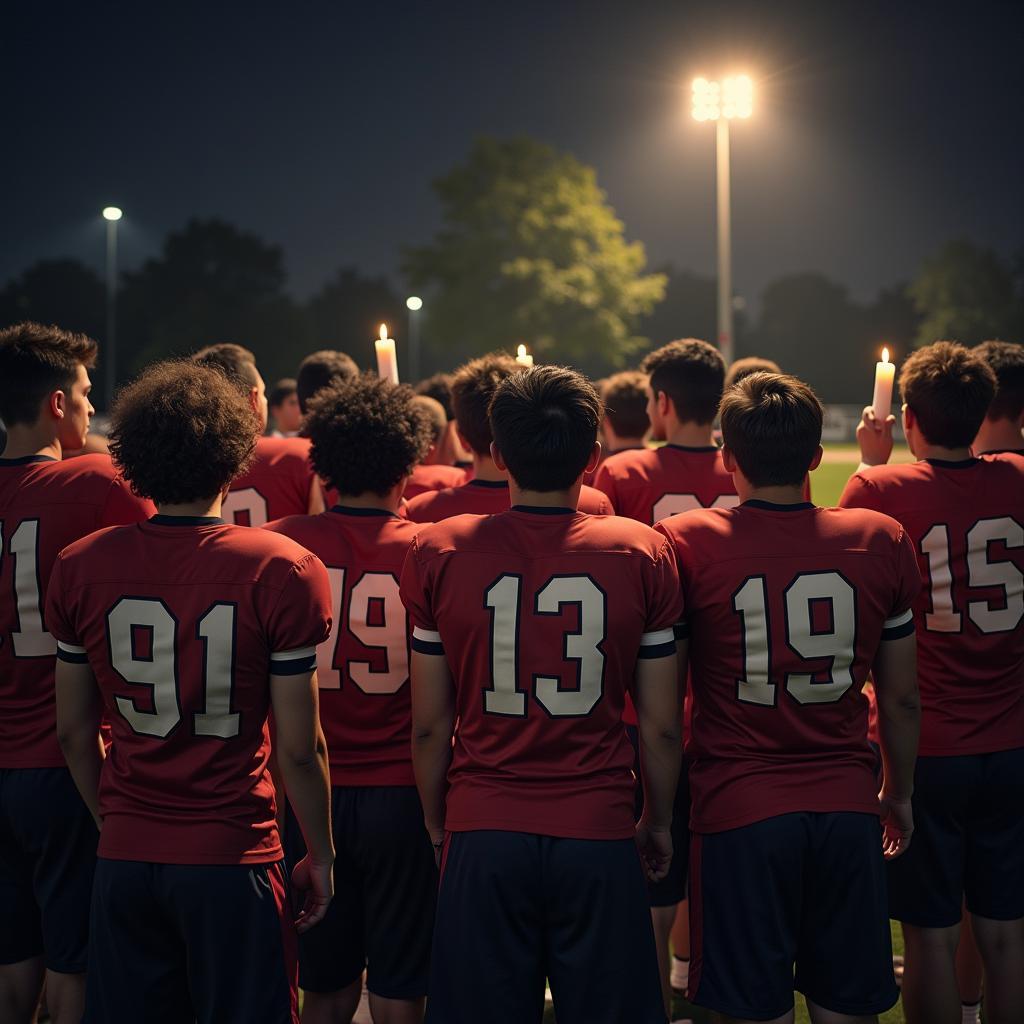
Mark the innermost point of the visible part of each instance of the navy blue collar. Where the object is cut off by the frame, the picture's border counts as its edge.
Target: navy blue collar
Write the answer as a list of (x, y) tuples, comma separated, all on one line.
[(689, 448), (352, 510), (27, 460), (487, 483), (544, 510), (162, 520), (771, 506), (953, 463)]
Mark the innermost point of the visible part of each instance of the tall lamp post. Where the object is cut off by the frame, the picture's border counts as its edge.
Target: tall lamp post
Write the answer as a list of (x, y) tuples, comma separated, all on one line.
[(414, 304), (722, 102), (111, 214)]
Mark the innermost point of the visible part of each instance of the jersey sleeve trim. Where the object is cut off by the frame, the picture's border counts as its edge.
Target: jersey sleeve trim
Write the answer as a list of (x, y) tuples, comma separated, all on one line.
[(898, 626), (659, 643), (71, 653), (293, 663), (681, 631), (426, 641)]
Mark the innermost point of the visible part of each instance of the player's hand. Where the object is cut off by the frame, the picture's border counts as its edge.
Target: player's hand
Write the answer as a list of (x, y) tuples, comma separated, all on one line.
[(655, 846), (315, 880), (437, 837), (897, 825), (874, 436)]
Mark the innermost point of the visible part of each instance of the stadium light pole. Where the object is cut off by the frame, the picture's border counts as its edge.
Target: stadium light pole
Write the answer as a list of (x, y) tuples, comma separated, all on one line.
[(414, 304), (722, 102), (111, 214)]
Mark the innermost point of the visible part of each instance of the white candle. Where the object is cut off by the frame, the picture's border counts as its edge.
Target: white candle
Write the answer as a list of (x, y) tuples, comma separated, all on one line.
[(523, 358), (885, 372), (387, 360)]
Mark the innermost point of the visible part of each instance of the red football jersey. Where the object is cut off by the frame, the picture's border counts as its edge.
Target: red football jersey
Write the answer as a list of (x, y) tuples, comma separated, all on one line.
[(433, 478), (484, 498), (786, 607), (542, 614), (276, 484), (363, 669), (650, 484), (183, 621), (966, 521), (44, 506)]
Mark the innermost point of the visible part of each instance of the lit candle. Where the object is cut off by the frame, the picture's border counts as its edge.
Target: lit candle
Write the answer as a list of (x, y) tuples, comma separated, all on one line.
[(523, 358), (884, 374), (387, 360)]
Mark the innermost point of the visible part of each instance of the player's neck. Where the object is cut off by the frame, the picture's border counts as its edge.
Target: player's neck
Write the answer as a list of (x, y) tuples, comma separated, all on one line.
[(773, 495), (615, 443), (485, 469), (690, 434), (385, 503), (23, 441), (924, 450), (204, 508), (544, 499), (998, 436)]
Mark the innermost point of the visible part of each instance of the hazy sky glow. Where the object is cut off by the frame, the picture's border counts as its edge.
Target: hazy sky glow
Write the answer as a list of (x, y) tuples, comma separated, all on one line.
[(880, 130)]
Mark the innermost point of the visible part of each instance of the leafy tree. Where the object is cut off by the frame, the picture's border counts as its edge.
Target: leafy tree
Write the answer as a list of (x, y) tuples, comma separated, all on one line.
[(63, 292), (346, 312), (530, 251), (966, 293)]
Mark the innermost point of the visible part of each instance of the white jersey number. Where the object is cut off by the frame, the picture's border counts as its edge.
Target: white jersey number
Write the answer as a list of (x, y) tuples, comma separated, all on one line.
[(246, 507), (672, 504), (30, 639)]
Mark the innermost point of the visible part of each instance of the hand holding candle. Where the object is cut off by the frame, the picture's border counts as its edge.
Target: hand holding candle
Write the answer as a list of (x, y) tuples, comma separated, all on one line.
[(523, 358), (387, 360), (885, 373), (874, 432)]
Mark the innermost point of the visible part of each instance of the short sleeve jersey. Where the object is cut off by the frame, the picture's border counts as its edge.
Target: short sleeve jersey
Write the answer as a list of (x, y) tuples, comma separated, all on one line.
[(541, 615), (363, 669), (966, 522), (487, 497), (183, 621), (276, 484), (650, 484), (786, 607), (433, 478), (44, 506)]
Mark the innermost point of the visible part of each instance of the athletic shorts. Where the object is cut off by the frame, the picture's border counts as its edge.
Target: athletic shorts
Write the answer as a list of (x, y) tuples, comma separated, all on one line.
[(47, 857), (176, 943), (803, 889), (516, 908), (968, 842), (672, 888), (385, 889)]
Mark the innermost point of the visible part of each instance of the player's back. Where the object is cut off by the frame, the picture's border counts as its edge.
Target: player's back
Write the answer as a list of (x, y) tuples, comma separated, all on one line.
[(966, 521), (44, 506), (363, 668), (786, 607), (433, 478), (487, 497), (541, 614), (276, 484), (182, 621), (650, 484)]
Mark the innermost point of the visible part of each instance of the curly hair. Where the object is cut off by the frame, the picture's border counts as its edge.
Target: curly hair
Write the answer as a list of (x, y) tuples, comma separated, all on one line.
[(366, 434), (36, 360), (181, 432), (692, 373), (473, 387), (1006, 360)]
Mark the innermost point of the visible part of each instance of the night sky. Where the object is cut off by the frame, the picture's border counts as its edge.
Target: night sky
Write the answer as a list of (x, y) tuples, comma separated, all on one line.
[(880, 130)]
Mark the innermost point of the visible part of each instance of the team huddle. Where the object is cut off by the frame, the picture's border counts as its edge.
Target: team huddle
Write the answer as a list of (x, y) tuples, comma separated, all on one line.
[(444, 698)]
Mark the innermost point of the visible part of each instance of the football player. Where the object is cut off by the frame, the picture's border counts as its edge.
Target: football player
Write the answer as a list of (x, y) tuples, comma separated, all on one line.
[(47, 837), (1000, 431), (431, 474), (367, 436), (529, 627), (487, 492), (965, 517), (186, 631), (788, 608), (625, 423), (283, 400), (319, 369)]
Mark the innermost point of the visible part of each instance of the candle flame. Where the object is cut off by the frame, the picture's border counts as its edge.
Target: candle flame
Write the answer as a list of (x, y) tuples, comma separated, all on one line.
[(383, 332), (521, 352), (885, 355)]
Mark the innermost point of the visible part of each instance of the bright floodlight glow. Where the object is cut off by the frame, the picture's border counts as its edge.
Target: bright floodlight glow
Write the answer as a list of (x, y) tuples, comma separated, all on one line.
[(414, 302), (732, 97), (112, 213)]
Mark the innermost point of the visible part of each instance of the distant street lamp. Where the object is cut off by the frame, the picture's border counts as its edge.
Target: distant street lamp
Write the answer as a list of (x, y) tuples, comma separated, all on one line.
[(721, 102), (111, 214), (414, 304)]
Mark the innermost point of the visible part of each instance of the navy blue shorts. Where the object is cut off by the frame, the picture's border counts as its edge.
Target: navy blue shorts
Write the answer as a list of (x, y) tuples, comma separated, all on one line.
[(672, 888), (176, 943), (968, 843), (515, 908), (47, 857), (385, 889), (804, 889)]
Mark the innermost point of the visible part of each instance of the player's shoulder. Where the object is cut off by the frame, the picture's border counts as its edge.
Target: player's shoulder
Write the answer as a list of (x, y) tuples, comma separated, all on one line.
[(423, 506), (699, 523), (282, 449), (622, 464), (618, 534), (93, 472), (101, 545), (439, 476), (449, 534), (870, 526)]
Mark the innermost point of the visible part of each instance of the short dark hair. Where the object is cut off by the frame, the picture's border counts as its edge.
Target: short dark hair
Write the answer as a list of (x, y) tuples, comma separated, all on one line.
[(692, 373), (281, 390), (545, 422), (366, 434), (1006, 361), (740, 368), (182, 431), (439, 388), (319, 369), (771, 423), (473, 387), (235, 362), (434, 413), (36, 360), (625, 403), (949, 389)]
